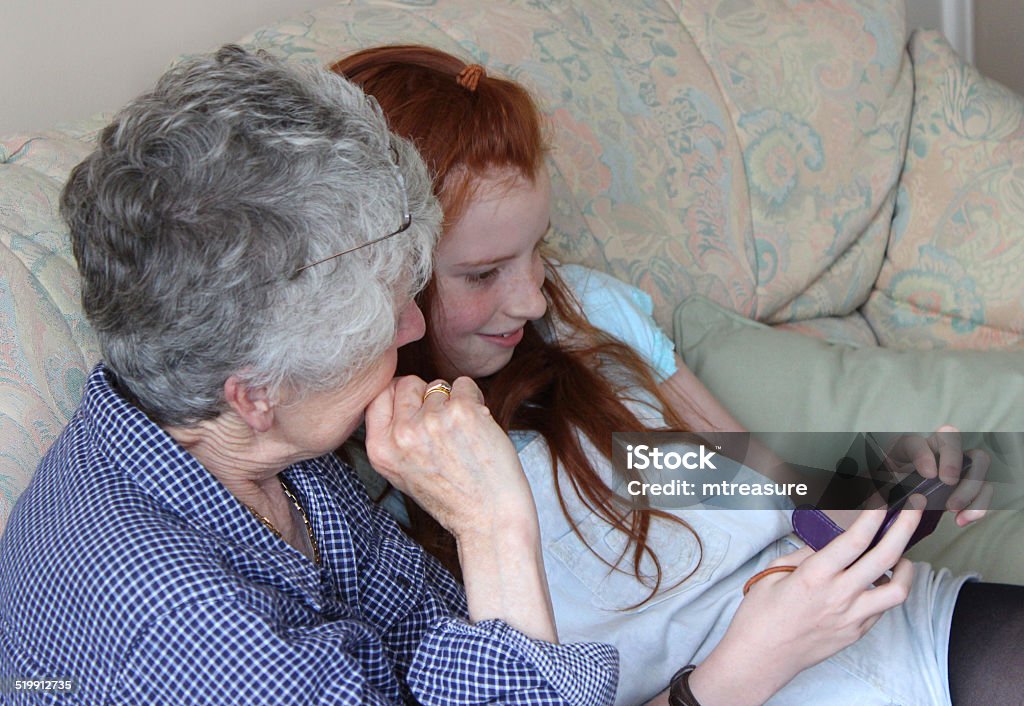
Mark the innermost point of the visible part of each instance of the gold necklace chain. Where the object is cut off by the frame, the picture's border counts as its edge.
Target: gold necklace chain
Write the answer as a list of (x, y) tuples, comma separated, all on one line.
[(270, 525)]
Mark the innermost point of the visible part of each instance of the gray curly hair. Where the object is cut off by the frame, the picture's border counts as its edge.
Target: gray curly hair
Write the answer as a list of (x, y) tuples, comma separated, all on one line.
[(193, 219)]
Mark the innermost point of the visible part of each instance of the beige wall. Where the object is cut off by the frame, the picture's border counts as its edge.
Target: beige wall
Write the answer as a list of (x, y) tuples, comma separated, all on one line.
[(999, 40), (62, 60)]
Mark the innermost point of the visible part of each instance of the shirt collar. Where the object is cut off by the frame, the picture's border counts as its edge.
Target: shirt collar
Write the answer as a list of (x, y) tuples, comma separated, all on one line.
[(165, 471)]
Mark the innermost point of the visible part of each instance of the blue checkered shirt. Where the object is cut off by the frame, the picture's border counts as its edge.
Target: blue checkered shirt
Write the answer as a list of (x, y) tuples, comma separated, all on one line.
[(130, 570)]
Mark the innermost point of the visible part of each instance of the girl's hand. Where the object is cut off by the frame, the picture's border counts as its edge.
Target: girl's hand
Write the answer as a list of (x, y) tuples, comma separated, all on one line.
[(941, 454), (791, 621)]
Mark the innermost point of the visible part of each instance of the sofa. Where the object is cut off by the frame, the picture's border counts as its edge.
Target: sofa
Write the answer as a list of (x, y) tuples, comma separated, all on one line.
[(828, 217)]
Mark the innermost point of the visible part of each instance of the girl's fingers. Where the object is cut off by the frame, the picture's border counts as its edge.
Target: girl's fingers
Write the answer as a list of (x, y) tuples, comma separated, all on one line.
[(885, 555), (920, 453), (939, 455), (794, 558), (848, 546), (972, 484), (978, 507), (875, 601), (951, 454)]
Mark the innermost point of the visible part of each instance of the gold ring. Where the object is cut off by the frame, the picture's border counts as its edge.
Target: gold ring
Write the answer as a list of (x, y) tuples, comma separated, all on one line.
[(438, 387)]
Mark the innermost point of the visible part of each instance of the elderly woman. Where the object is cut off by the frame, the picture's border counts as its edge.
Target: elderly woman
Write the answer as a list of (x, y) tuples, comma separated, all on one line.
[(250, 237)]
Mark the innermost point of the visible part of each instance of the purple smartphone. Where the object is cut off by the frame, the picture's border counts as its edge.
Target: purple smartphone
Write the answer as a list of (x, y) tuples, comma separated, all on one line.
[(817, 529)]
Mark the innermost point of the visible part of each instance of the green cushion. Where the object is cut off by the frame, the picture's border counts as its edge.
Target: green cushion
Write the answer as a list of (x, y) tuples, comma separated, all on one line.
[(775, 380)]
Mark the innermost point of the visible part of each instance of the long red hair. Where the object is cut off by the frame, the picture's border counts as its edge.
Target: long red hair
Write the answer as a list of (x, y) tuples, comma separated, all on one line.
[(465, 124)]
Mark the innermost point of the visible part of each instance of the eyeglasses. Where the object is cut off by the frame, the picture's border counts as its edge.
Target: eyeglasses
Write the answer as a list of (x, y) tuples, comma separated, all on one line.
[(406, 221)]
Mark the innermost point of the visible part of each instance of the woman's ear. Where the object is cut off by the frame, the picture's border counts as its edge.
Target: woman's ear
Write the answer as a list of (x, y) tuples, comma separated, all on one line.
[(252, 404)]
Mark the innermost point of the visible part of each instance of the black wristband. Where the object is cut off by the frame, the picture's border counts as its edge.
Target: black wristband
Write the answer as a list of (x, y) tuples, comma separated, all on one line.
[(679, 693)]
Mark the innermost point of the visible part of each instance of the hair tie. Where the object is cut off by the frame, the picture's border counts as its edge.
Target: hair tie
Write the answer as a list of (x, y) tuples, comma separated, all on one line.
[(470, 77)]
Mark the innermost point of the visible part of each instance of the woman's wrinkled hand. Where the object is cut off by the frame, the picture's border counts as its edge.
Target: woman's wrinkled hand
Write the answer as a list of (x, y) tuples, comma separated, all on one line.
[(448, 454)]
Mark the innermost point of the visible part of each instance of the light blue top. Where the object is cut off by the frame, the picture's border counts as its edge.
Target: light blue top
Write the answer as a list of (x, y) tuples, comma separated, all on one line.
[(623, 311)]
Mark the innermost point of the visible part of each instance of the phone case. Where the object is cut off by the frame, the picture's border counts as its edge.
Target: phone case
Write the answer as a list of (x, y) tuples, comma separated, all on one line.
[(817, 529)]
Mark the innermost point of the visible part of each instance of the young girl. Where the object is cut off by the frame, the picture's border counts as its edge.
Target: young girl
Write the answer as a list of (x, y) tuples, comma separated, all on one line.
[(565, 356)]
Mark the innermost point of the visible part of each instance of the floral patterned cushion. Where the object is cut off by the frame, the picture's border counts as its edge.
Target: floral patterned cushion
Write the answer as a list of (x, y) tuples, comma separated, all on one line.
[(818, 94), (952, 275), (46, 347)]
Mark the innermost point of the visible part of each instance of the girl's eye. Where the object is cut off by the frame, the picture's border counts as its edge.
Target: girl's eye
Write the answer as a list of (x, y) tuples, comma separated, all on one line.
[(481, 277)]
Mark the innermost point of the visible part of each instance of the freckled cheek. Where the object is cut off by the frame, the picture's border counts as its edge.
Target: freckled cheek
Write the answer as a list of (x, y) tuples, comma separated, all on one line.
[(463, 314)]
